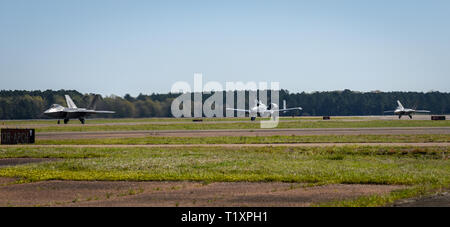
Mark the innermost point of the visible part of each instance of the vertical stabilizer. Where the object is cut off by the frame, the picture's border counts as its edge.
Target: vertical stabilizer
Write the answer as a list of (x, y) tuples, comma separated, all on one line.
[(69, 102), (93, 103), (400, 105)]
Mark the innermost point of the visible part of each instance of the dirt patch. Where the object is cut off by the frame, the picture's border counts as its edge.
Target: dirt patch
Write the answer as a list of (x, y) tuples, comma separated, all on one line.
[(438, 200), (5, 180), (185, 194), (69, 193), (20, 161), (246, 194)]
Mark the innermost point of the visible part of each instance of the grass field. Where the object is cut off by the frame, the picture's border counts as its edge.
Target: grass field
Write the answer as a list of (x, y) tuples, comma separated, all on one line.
[(243, 125), (422, 169), (410, 138), (350, 164)]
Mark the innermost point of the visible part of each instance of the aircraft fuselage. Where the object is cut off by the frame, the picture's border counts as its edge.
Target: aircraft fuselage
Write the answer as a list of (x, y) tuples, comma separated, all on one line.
[(407, 112)]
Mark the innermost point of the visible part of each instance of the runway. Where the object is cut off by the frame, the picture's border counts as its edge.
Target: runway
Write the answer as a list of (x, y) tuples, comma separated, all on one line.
[(169, 121), (243, 132)]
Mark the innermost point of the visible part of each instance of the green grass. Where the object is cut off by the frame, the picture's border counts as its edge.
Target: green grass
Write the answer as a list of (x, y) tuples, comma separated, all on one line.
[(348, 165), (410, 138), (421, 169), (245, 125)]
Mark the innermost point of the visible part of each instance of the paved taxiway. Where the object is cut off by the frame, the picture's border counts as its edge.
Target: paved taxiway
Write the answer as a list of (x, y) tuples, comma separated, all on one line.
[(244, 132)]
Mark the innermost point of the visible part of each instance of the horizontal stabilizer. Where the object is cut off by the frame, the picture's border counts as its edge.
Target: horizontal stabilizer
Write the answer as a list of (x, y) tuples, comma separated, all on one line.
[(289, 109), (239, 110), (93, 103)]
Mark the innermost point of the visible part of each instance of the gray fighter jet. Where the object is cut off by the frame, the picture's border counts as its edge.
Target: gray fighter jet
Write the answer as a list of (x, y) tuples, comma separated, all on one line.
[(400, 111), (261, 110), (72, 111)]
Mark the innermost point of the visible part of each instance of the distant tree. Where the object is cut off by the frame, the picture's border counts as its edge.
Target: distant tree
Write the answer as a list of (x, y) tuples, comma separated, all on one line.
[(19, 104)]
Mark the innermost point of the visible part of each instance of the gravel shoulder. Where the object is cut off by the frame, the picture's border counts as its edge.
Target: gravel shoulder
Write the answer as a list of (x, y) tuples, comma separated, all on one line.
[(437, 200)]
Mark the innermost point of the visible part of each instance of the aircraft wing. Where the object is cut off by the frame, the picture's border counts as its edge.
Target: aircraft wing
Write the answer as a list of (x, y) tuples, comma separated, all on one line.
[(288, 109), (239, 110), (99, 112), (88, 112)]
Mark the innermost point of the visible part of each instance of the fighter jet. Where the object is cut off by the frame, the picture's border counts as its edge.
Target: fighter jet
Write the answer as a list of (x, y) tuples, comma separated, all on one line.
[(72, 111), (260, 109), (400, 111)]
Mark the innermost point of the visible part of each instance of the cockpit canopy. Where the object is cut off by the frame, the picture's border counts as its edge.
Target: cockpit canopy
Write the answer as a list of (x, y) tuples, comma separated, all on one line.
[(55, 106)]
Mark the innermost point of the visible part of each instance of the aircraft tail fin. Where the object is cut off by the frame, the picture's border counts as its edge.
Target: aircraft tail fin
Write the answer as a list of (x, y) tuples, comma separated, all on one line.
[(93, 103), (400, 104), (69, 102), (284, 104)]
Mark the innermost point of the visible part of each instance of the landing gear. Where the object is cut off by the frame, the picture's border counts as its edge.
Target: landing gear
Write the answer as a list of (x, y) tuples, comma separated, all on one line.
[(66, 121), (253, 118), (399, 116), (81, 120), (59, 122), (410, 116)]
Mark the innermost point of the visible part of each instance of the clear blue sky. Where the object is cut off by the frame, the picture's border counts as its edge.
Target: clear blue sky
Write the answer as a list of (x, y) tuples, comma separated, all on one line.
[(119, 47)]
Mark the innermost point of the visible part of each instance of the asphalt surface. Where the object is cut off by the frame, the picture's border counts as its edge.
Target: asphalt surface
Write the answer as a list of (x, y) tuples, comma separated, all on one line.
[(244, 132), (438, 200), (165, 121)]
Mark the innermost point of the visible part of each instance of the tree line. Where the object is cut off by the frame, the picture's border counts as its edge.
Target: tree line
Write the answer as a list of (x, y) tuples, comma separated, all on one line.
[(19, 104)]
